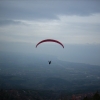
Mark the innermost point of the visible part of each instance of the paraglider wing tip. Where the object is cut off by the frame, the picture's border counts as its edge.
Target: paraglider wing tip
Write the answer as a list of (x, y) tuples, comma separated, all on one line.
[(36, 46), (62, 45)]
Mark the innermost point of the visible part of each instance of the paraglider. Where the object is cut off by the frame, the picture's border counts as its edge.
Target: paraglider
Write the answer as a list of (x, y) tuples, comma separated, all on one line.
[(49, 62), (50, 40)]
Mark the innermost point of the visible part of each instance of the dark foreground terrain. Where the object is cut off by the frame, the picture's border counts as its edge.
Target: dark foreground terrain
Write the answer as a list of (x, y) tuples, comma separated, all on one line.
[(45, 95)]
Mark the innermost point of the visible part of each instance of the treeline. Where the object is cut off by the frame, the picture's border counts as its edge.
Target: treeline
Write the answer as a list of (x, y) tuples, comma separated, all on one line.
[(96, 96), (40, 95), (23, 94)]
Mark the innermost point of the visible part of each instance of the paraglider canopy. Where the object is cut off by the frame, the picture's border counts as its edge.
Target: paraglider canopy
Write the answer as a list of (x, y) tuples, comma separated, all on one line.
[(50, 40)]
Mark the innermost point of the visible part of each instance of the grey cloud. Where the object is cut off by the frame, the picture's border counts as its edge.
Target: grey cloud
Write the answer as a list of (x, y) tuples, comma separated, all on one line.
[(47, 9), (9, 22)]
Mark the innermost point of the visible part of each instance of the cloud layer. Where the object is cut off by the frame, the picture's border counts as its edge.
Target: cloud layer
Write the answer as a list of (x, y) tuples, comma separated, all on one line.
[(68, 29), (45, 9)]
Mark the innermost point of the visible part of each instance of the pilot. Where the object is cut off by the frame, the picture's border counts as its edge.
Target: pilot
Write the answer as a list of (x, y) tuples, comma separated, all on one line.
[(49, 62)]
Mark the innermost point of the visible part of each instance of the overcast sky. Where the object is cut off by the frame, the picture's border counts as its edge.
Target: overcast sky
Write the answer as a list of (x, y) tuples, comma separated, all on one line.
[(69, 21)]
